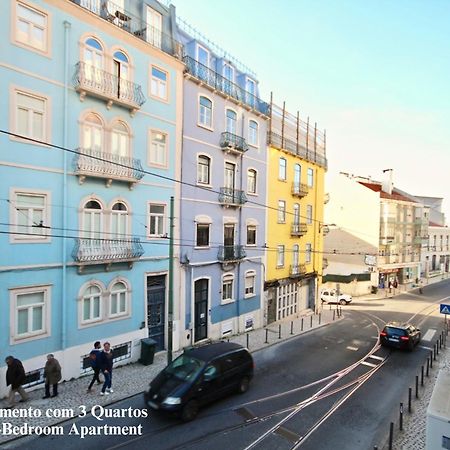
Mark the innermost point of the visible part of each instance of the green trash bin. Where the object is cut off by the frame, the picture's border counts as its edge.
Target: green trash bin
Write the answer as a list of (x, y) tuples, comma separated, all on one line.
[(148, 347)]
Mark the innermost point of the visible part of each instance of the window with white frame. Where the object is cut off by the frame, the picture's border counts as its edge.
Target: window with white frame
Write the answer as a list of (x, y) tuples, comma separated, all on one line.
[(282, 169), (119, 221), (308, 250), (310, 177), (93, 63), (205, 112), (281, 211), (30, 216), (31, 115), (158, 148), (118, 303), (156, 220), (227, 288), (120, 140), (251, 234), (309, 214), (31, 27), (231, 121), (280, 255), (91, 304), (158, 83), (92, 133), (251, 181), (253, 133), (30, 307), (250, 283), (202, 235), (203, 169)]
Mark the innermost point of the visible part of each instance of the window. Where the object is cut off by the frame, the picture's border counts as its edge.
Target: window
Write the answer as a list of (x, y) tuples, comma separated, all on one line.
[(231, 121), (158, 148), (282, 169), (118, 299), (228, 72), (310, 176), (280, 255), (296, 213), (30, 216), (91, 304), (251, 234), (202, 239), (250, 282), (158, 83), (153, 32), (253, 133), (92, 222), (308, 251), (309, 214), (205, 112), (31, 116), (281, 211), (251, 181), (202, 56), (92, 133), (31, 27), (30, 307), (119, 221), (295, 254), (203, 169), (120, 140), (93, 63), (227, 288), (156, 219)]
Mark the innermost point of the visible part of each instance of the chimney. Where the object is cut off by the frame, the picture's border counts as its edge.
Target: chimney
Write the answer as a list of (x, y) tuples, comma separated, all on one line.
[(387, 184)]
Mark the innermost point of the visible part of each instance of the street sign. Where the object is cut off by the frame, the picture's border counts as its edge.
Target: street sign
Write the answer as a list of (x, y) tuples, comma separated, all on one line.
[(444, 309)]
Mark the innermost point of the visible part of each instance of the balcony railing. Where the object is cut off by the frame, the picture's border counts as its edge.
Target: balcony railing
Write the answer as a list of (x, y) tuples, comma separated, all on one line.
[(222, 84), (230, 253), (299, 229), (300, 189), (103, 251), (233, 143), (136, 26), (91, 80), (297, 270), (95, 163), (231, 197)]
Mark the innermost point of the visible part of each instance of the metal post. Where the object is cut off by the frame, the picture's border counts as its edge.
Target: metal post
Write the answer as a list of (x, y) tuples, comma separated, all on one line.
[(292, 327), (311, 322), (267, 337), (302, 325), (171, 274), (279, 331), (437, 347), (320, 318), (428, 366), (334, 314), (409, 399), (421, 376), (247, 342), (401, 417), (391, 435), (417, 386), (431, 358), (440, 341)]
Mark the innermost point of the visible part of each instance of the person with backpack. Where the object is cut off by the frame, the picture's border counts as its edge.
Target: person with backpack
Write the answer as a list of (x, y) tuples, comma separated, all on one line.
[(15, 377), (95, 364)]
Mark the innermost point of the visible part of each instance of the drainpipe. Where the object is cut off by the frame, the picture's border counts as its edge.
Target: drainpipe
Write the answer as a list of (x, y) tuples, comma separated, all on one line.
[(67, 26)]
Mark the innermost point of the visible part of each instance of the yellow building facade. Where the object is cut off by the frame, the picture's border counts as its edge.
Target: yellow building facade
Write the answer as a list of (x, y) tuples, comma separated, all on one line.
[(295, 180)]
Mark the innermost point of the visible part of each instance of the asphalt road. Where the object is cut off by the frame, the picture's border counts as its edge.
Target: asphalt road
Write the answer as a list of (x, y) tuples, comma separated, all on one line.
[(354, 396)]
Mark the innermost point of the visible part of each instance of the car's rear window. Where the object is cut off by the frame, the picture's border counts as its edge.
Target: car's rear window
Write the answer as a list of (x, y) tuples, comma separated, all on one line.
[(393, 331)]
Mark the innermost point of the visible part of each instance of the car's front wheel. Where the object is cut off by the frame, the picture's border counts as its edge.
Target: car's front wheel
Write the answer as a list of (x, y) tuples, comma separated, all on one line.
[(190, 411), (342, 302)]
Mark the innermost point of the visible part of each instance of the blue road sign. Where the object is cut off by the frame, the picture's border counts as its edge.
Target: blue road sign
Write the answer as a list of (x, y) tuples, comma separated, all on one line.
[(444, 309)]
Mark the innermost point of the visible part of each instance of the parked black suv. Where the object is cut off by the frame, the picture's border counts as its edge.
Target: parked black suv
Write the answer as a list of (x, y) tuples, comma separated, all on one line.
[(400, 335), (199, 376)]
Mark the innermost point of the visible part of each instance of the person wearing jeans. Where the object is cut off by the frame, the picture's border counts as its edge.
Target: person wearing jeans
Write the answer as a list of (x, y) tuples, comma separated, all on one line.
[(95, 364), (106, 366)]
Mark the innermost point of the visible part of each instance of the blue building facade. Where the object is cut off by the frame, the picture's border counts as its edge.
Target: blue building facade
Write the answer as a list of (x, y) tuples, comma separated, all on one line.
[(223, 194), (84, 225)]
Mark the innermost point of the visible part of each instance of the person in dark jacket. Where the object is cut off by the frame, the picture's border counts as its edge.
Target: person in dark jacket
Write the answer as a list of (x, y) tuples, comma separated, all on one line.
[(52, 375), (15, 377), (106, 366), (95, 364)]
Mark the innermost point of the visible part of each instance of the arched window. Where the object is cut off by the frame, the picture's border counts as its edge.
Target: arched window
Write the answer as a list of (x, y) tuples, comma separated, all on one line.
[(203, 169), (297, 178), (91, 304), (119, 221), (231, 121), (253, 132), (296, 213), (205, 112), (118, 301), (92, 221), (295, 253), (120, 140), (282, 169), (122, 73), (94, 61), (227, 288), (92, 134)]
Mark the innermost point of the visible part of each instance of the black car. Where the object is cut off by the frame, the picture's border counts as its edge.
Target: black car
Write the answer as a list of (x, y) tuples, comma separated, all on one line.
[(400, 335), (199, 376)]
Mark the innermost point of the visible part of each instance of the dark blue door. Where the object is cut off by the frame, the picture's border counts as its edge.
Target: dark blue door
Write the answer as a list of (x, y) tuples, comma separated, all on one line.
[(156, 295), (201, 310)]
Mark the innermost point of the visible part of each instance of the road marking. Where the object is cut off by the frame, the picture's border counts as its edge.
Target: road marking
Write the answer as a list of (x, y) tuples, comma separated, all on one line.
[(425, 347), (288, 434), (379, 358), (429, 335), (352, 348), (369, 364)]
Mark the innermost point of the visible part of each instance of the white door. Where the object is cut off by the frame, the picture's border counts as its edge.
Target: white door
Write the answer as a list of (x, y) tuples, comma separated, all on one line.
[(154, 27)]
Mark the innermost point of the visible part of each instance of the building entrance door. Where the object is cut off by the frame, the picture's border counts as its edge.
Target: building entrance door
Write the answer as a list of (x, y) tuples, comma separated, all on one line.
[(156, 295), (201, 289)]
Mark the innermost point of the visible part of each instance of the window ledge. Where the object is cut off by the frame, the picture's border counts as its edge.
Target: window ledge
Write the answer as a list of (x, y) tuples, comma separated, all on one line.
[(227, 301)]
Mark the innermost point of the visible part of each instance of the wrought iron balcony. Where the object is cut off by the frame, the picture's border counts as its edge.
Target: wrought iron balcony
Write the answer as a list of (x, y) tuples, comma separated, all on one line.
[(231, 197), (95, 163), (99, 83), (233, 143), (217, 82), (297, 270), (299, 229), (300, 189), (116, 15), (231, 253), (105, 251)]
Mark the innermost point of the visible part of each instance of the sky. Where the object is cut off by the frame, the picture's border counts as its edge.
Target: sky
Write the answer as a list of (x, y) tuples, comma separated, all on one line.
[(374, 73)]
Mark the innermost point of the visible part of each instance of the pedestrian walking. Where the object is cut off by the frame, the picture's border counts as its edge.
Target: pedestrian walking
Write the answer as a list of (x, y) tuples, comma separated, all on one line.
[(52, 375), (106, 366), (15, 377), (95, 364), (420, 287)]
